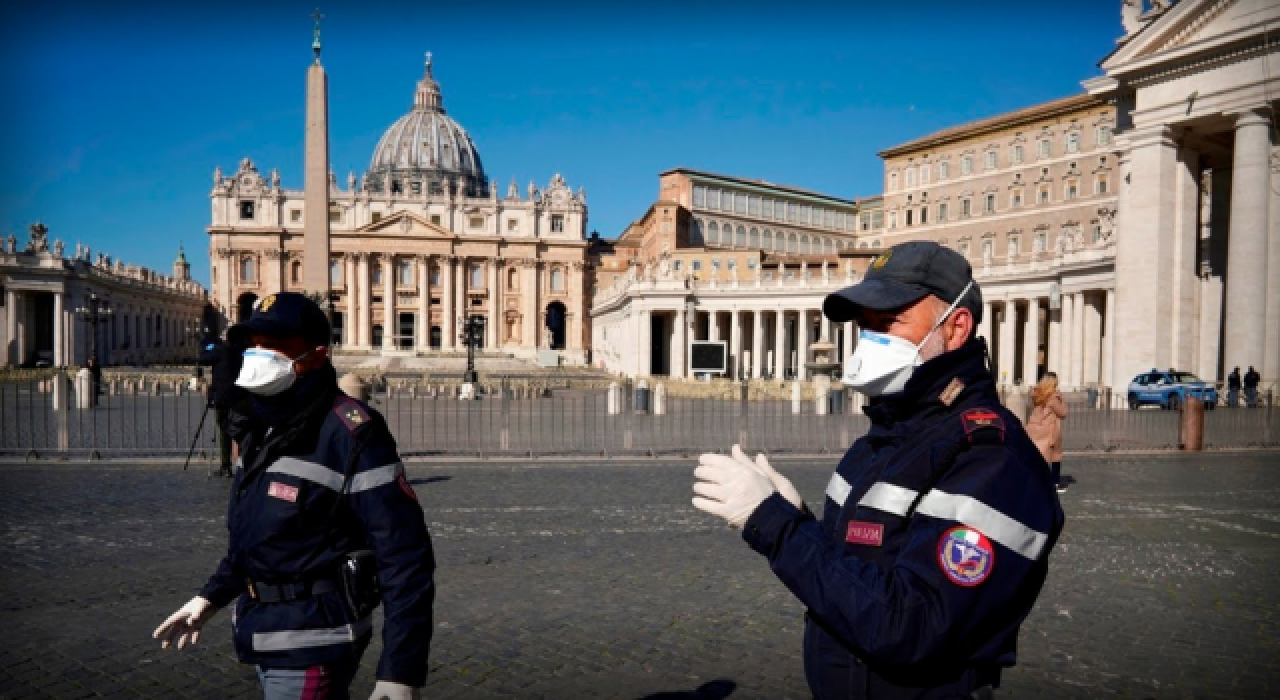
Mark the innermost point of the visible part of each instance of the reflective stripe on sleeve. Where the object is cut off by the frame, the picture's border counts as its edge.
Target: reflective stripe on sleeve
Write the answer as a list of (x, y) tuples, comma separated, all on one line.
[(838, 489), (287, 640), (985, 519), (889, 498), (332, 479)]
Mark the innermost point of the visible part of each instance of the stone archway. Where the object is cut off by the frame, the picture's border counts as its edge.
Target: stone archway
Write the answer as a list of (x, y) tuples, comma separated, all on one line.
[(556, 323)]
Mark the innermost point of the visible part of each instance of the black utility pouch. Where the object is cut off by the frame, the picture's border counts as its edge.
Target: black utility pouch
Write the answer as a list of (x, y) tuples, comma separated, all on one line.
[(360, 582)]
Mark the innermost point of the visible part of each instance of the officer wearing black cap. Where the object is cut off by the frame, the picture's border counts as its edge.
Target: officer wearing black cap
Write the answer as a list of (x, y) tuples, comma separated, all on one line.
[(936, 528), (323, 525)]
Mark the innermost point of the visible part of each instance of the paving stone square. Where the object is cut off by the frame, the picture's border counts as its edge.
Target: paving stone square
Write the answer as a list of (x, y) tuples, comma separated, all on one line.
[(567, 579)]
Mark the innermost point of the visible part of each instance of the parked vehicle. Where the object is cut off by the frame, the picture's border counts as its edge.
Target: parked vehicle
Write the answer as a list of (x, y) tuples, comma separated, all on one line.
[(1170, 390)]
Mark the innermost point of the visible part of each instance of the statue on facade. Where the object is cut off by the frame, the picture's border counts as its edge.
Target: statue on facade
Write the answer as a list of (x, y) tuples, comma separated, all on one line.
[(59, 247), (217, 176), (275, 179), (39, 242), (1130, 11), (533, 191), (351, 181), (513, 190), (582, 194), (664, 266), (1106, 224), (11, 244)]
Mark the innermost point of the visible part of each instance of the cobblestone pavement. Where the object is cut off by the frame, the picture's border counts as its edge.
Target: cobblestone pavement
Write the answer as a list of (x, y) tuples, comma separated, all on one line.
[(600, 580)]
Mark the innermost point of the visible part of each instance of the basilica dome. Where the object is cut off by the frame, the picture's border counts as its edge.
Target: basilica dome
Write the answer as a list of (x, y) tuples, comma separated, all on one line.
[(425, 150)]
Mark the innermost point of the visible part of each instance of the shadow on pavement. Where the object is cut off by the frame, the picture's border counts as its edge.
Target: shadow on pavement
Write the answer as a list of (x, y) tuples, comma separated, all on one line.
[(713, 690), (428, 480)]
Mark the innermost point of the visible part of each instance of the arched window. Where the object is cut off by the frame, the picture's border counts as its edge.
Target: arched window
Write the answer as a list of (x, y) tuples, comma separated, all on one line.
[(477, 276), (740, 238), (713, 232), (513, 279), (753, 238), (295, 272), (248, 271), (557, 279)]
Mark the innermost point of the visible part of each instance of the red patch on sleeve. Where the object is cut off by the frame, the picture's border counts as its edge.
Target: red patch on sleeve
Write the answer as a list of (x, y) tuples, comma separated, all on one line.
[(284, 492), (864, 533), (978, 418)]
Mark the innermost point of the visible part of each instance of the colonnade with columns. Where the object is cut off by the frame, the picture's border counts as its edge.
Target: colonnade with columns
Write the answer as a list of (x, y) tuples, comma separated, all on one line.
[(1026, 337)]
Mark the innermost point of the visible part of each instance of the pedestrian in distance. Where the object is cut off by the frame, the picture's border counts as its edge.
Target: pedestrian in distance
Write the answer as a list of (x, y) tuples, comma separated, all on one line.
[(1045, 425), (1233, 388), (224, 363), (1251, 381), (323, 526), (936, 528), (95, 376)]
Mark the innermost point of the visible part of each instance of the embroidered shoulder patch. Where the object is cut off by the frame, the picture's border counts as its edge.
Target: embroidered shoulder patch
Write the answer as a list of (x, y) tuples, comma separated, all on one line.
[(976, 419), (353, 415), (966, 555)]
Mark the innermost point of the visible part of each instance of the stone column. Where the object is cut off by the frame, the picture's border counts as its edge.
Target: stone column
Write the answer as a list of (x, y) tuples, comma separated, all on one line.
[(1066, 362), (735, 344), (805, 331), (388, 304), (576, 308), (984, 326), (461, 303), (1244, 328), (1006, 361), (1145, 255), (680, 343), (644, 327), (493, 334), (713, 325), (364, 321), (1091, 357), (59, 358), (1031, 343), (1109, 337), (779, 343), (757, 343), (350, 326), (424, 303), (10, 327), (1270, 368), (448, 336), (1053, 363), (529, 333), (1077, 340)]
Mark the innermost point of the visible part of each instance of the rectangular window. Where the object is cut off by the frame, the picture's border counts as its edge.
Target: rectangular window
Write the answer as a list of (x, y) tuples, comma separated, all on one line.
[(513, 225), (1072, 190), (557, 223), (1044, 148), (987, 249), (966, 165), (713, 199), (335, 216), (295, 215), (989, 204), (1102, 185), (942, 171), (697, 265), (753, 206), (404, 273), (911, 177), (1073, 142), (375, 273), (907, 218), (1017, 154), (866, 221), (751, 263), (942, 211), (1044, 195), (877, 219), (829, 218), (1013, 247), (246, 209), (433, 277), (377, 216), (1037, 245), (893, 182), (677, 265), (740, 204), (766, 208), (991, 159), (924, 174), (335, 273), (726, 201), (699, 196), (924, 215), (1104, 135), (964, 248), (404, 340), (966, 207), (435, 219), (476, 222), (893, 219), (1017, 199), (792, 211)]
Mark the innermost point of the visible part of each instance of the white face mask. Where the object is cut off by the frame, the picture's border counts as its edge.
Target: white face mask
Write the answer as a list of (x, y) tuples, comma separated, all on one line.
[(882, 363), (267, 372)]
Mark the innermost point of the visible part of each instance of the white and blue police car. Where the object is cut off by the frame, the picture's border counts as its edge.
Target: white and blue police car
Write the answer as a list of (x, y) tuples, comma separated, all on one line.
[(1170, 390)]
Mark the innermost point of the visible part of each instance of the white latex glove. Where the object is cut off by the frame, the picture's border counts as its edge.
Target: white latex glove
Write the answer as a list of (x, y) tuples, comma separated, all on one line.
[(780, 482), (729, 489), (185, 624), (386, 690)]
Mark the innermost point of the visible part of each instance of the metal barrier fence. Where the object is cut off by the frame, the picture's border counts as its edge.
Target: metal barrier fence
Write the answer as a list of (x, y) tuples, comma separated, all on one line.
[(47, 417)]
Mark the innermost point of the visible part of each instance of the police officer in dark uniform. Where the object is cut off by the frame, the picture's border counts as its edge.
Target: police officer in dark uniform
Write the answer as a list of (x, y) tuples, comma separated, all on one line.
[(323, 525), (937, 525)]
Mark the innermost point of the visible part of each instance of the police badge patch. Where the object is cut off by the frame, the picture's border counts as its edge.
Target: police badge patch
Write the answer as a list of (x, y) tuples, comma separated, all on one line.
[(966, 555)]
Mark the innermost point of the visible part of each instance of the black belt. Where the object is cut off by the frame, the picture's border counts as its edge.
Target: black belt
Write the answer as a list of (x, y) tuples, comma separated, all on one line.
[(287, 592)]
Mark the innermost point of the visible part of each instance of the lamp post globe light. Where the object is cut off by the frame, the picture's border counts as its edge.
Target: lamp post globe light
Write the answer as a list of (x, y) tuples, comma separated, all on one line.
[(469, 333), (96, 313)]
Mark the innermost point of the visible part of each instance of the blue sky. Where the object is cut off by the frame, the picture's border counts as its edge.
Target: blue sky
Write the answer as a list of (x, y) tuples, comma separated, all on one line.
[(115, 116)]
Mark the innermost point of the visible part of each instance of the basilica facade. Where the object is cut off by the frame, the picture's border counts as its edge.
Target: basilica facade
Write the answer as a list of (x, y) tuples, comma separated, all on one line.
[(421, 242)]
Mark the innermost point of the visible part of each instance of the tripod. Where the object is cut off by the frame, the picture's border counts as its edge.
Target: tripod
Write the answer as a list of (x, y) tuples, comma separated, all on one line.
[(196, 439)]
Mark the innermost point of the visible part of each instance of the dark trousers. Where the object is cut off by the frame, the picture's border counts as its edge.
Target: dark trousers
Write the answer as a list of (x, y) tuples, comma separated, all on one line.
[(1251, 397), (1055, 470), (224, 440)]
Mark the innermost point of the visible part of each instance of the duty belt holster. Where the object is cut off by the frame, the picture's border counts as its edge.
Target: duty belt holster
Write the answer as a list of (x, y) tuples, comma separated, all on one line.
[(289, 592)]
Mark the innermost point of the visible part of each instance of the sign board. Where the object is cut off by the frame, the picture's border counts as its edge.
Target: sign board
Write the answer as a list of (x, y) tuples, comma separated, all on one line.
[(1055, 296), (707, 356)]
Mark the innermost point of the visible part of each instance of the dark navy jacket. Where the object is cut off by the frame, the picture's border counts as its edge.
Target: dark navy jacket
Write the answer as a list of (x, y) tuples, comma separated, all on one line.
[(290, 525), (933, 544)]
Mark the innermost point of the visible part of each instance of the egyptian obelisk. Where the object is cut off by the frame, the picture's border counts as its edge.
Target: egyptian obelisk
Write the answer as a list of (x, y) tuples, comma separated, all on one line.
[(315, 229)]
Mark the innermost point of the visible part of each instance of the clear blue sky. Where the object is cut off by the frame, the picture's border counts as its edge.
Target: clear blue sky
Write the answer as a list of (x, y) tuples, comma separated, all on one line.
[(114, 117)]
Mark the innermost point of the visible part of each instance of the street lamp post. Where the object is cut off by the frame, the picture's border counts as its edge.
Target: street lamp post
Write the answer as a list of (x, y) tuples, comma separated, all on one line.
[(470, 328), (97, 312)]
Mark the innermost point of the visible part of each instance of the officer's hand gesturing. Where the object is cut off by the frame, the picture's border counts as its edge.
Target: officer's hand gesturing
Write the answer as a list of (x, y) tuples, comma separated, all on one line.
[(185, 624), (387, 690), (728, 488), (780, 482)]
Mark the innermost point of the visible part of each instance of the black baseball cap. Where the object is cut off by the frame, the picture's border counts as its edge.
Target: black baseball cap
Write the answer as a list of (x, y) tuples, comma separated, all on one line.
[(283, 315), (905, 274)]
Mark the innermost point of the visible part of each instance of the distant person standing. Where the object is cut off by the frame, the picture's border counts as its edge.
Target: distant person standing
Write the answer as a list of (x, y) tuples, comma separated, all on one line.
[(1045, 425), (1233, 388), (1251, 380), (224, 362)]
